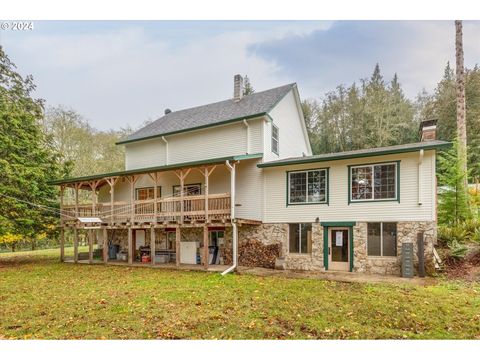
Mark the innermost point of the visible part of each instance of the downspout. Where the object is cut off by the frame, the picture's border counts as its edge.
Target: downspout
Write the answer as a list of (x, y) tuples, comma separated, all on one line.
[(420, 161), (166, 149), (232, 218), (245, 122)]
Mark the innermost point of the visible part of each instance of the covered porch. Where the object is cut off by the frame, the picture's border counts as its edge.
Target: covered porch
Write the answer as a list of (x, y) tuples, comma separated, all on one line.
[(148, 216)]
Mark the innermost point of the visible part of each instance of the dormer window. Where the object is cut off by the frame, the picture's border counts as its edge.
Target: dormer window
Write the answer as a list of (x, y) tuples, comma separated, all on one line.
[(275, 139)]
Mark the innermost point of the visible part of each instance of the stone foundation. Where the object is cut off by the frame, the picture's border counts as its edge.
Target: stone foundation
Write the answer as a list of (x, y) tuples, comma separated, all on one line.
[(406, 232)]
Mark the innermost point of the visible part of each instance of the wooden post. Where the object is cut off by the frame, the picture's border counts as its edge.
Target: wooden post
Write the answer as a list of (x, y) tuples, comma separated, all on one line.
[(152, 246), (130, 250), (90, 246), (112, 182), (75, 244), (205, 246), (177, 245), (182, 205), (206, 173), (105, 245), (132, 179), (154, 177), (62, 230)]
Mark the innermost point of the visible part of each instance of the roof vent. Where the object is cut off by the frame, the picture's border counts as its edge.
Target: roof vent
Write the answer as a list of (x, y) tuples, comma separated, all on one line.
[(167, 111)]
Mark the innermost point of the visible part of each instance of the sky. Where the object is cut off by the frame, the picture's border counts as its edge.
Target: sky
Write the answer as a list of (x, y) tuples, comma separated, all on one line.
[(119, 73)]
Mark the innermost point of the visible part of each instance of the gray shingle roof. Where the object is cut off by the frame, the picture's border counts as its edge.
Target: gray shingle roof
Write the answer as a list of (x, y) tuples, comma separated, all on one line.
[(395, 149), (256, 104)]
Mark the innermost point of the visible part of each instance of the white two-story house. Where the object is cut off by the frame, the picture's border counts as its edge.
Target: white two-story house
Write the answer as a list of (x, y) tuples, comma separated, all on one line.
[(200, 183)]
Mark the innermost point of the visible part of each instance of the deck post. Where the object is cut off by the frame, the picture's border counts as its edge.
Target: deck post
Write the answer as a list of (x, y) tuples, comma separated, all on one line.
[(206, 195), (177, 245), (90, 246), (154, 177), (182, 204), (105, 245), (75, 244), (205, 246), (152, 246), (112, 182), (130, 250), (62, 230)]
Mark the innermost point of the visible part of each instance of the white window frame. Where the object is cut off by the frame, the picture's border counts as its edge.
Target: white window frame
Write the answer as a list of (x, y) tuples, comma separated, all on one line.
[(306, 187), (276, 140), (381, 240), (372, 166)]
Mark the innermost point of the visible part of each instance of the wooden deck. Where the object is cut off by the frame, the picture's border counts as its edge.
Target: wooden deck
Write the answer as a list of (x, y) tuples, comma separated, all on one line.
[(175, 209)]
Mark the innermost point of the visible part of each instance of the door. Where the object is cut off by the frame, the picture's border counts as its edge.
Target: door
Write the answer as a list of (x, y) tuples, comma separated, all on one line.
[(338, 251)]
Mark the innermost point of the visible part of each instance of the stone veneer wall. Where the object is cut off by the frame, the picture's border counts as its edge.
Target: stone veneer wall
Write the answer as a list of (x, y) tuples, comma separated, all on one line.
[(406, 232), (278, 234)]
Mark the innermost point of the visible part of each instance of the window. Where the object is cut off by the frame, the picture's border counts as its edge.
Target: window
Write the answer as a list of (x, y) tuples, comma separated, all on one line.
[(307, 187), (374, 182), (188, 190), (382, 239), (147, 193), (300, 238), (275, 139)]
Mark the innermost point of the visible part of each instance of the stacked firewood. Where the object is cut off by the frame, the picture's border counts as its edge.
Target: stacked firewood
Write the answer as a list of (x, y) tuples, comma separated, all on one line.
[(253, 253)]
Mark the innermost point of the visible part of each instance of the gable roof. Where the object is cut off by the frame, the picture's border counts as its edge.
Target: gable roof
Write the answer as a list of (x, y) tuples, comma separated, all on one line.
[(395, 149), (253, 105)]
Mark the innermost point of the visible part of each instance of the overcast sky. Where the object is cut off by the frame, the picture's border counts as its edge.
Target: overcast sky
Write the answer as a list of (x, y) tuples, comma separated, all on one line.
[(119, 73)]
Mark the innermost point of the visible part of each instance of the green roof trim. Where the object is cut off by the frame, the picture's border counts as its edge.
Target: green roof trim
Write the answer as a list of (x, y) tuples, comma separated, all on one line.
[(158, 168), (225, 122), (388, 150)]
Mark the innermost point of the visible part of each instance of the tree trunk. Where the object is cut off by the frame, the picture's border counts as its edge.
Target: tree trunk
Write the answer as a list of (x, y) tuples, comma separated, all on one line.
[(461, 111)]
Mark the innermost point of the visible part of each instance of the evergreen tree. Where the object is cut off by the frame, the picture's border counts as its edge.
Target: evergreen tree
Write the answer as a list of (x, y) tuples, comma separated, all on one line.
[(247, 86), (27, 159), (453, 206)]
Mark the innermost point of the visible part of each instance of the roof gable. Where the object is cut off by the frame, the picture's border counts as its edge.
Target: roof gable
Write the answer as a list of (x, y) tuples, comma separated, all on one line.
[(253, 105)]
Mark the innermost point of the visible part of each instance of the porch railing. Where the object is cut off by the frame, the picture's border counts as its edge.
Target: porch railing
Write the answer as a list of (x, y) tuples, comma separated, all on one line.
[(168, 209)]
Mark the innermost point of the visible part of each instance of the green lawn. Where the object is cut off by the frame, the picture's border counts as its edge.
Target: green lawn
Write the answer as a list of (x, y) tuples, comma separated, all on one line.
[(41, 298)]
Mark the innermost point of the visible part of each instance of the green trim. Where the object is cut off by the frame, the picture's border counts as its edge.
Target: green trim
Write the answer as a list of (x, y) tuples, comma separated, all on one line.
[(269, 117), (397, 185), (327, 200), (325, 247), (354, 155), (121, 142), (326, 225), (338, 223), (158, 168)]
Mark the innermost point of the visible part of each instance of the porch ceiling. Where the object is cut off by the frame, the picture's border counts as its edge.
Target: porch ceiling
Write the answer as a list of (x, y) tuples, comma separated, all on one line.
[(156, 169)]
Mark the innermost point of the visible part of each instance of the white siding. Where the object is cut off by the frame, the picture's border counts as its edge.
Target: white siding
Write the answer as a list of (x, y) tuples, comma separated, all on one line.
[(292, 140), (219, 182), (338, 208), (145, 154), (249, 190), (209, 143)]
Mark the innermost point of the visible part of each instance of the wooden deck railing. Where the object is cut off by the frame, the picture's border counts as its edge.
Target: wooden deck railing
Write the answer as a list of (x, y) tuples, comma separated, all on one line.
[(168, 209)]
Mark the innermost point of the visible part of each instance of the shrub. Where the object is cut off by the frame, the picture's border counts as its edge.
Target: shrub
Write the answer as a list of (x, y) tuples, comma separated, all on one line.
[(450, 234), (457, 250)]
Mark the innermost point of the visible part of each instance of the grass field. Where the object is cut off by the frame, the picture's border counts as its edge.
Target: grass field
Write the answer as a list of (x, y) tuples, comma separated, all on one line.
[(41, 298)]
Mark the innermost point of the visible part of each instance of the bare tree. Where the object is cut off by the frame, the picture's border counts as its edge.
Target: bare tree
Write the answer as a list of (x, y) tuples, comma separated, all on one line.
[(461, 111)]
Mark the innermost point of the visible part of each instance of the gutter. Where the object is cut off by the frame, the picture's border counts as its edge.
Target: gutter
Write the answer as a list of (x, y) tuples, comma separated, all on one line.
[(245, 122), (232, 218), (166, 149)]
